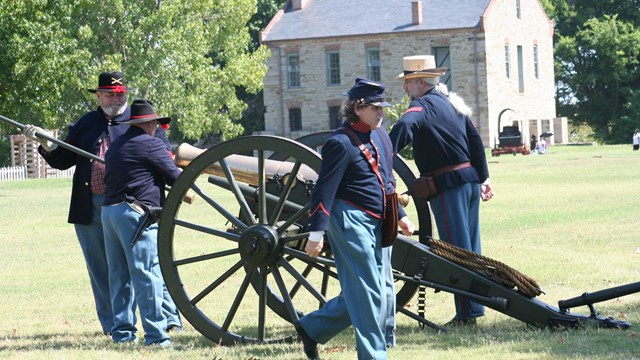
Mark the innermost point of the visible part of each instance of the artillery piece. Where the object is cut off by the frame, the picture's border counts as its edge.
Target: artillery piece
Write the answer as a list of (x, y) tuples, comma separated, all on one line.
[(261, 247), (251, 230)]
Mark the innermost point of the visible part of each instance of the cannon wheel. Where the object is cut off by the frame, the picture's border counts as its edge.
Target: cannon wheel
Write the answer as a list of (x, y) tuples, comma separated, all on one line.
[(246, 281), (209, 270), (424, 230)]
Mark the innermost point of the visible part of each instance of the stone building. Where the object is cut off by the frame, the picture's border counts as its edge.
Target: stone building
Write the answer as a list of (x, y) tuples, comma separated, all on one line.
[(499, 54)]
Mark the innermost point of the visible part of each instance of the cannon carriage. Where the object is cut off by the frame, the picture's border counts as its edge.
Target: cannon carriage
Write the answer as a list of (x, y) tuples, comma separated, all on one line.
[(510, 137), (235, 266), (255, 237)]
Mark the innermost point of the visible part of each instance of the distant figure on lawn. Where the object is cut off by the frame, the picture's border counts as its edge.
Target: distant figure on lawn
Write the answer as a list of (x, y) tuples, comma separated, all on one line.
[(542, 146)]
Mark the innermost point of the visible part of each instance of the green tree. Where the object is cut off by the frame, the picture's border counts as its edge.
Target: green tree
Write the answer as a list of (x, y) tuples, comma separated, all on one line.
[(597, 64), (253, 117), (189, 57), (602, 76)]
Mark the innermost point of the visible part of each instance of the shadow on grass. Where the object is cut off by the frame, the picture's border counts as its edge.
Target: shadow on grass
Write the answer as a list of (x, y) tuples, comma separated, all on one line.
[(512, 336), (187, 340)]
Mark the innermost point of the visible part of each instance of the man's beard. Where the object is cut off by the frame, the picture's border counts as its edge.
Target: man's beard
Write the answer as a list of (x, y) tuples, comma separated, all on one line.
[(114, 110)]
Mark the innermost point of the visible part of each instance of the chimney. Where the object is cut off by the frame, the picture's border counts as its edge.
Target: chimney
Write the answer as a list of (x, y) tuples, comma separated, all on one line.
[(416, 12), (297, 4)]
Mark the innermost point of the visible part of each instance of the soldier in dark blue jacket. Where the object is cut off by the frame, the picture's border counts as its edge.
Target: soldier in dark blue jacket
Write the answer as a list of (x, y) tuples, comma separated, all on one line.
[(93, 133), (348, 202), (137, 169), (447, 146)]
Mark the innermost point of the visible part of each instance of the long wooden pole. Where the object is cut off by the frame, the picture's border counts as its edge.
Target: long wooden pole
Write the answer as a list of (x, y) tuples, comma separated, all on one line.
[(188, 198), (54, 140)]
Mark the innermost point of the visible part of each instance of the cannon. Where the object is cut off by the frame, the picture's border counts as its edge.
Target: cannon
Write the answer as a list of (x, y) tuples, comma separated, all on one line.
[(236, 268), (510, 138), (238, 272)]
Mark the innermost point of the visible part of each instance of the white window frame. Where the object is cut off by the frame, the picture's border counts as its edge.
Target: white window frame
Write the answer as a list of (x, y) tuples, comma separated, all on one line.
[(333, 68), (372, 56), (293, 70)]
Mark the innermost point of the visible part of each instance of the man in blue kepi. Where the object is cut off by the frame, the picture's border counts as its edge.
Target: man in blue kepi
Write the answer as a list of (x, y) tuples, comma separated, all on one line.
[(348, 202)]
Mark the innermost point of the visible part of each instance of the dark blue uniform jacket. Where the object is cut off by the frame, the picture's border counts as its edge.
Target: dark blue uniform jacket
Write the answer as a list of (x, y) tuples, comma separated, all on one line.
[(87, 134), (441, 137), (345, 174), (137, 167)]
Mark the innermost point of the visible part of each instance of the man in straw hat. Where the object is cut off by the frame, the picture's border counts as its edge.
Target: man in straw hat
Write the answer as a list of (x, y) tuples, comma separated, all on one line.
[(448, 148), (138, 167), (93, 133)]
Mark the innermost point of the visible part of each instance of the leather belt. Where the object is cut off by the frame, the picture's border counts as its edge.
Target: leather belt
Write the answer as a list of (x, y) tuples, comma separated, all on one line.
[(446, 169)]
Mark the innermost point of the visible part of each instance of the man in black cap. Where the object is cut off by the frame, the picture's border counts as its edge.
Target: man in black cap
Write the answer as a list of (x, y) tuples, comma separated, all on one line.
[(137, 169), (94, 132), (348, 203)]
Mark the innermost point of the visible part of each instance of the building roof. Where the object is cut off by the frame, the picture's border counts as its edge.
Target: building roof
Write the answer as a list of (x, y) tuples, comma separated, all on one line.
[(337, 18)]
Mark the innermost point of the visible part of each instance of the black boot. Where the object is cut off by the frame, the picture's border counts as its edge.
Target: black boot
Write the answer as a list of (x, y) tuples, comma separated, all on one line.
[(308, 344)]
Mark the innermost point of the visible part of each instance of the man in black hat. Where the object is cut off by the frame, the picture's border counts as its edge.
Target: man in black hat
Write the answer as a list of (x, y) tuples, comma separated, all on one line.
[(94, 132), (137, 169)]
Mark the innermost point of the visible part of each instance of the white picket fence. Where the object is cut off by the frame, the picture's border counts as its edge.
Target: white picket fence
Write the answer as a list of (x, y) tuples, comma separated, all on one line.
[(13, 173), (55, 173), (22, 173)]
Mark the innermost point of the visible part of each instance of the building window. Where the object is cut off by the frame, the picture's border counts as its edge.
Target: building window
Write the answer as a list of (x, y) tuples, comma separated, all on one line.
[(520, 69), (506, 61), (333, 68), (295, 119), (518, 13), (293, 70), (334, 117), (373, 64), (535, 61), (443, 59)]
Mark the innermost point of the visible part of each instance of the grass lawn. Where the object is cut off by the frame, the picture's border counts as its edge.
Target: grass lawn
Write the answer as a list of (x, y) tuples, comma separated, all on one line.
[(569, 219)]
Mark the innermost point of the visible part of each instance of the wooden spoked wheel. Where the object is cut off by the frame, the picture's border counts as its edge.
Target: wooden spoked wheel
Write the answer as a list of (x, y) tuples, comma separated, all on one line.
[(234, 260)]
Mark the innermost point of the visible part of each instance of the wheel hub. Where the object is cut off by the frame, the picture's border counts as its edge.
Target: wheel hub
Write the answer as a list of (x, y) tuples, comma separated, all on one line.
[(259, 245)]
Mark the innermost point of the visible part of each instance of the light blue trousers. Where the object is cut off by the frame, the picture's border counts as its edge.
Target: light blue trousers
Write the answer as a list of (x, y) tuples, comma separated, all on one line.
[(355, 241), (389, 310), (91, 241), (134, 271), (457, 215)]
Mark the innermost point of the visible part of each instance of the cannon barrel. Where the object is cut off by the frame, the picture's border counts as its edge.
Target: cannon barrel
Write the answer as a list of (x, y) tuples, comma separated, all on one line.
[(244, 168), (252, 193)]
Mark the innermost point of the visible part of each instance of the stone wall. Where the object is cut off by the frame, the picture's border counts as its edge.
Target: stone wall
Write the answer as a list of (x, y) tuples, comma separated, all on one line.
[(477, 70), (537, 101)]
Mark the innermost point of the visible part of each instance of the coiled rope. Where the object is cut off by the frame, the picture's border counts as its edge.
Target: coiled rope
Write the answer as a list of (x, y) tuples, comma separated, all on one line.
[(491, 268)]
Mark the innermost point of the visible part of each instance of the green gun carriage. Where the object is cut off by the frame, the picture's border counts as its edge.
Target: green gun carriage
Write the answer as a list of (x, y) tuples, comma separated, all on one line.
[(240, 274)]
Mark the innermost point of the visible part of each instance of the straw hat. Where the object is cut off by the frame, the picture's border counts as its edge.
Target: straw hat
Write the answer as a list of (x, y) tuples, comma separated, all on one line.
[(420, 66)]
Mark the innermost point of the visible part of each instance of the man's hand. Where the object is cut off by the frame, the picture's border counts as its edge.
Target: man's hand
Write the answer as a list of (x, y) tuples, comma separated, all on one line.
[(406, 225), (486, 193), (31, 132), (315, 243)]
